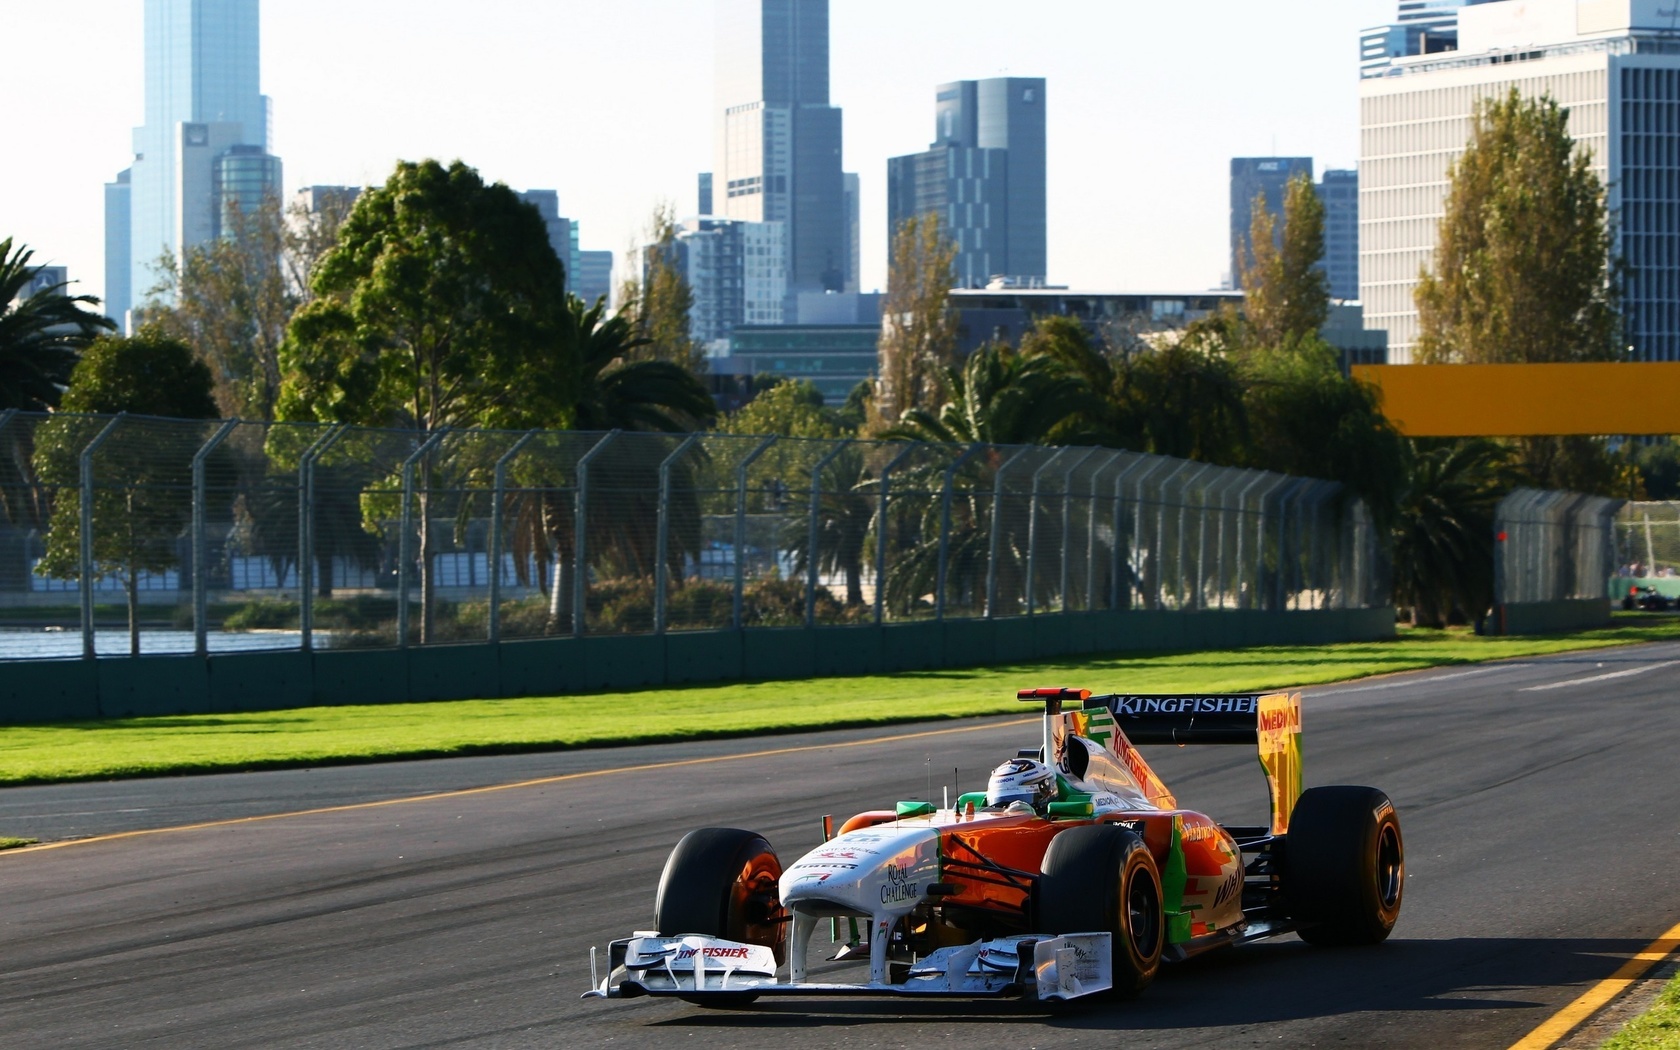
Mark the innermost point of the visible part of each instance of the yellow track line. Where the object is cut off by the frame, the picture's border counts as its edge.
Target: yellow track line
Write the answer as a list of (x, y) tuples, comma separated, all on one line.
[(1564, 1021), (539, 782)]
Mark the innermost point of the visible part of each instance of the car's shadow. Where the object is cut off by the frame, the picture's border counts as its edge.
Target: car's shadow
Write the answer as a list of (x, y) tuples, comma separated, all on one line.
[(1256, 984)]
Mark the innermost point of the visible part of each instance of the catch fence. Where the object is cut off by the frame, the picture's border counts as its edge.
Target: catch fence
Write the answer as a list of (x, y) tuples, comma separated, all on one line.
[(1552, 546), (228, 535)]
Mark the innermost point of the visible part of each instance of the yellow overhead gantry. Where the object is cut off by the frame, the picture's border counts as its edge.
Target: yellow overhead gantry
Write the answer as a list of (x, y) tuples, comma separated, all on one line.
[(1529, 400)]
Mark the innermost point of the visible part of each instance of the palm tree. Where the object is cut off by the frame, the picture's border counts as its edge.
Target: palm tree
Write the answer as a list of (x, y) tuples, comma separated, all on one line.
[(589, 382), (42, 336), (1443, 537), (1001, 397)]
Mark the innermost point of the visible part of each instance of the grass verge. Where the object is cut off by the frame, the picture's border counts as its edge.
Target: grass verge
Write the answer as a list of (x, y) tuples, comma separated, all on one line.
[(7, 842), (1656, 1029), (179, 744)]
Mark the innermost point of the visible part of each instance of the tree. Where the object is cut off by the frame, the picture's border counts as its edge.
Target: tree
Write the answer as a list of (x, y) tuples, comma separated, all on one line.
[(661, 301), (1443, 534), (440, 296), (1286, 295), (1001, 397), (41, 336), (1308, 419), (589, 377), (232, 297), (791, 408), (140, 502), (1523, 271), (229, 299), (918, 329)]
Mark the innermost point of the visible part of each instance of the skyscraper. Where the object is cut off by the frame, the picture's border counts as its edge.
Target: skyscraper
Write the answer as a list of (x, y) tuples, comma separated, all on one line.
[(778, 139), (1262, 176), (1611, 65), (984, 176), (1339, 190), (1422, 27), (204, 146)]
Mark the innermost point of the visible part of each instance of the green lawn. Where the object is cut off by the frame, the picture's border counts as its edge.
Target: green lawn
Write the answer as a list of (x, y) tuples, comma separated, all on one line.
[(1656, 1029), (325, 735)]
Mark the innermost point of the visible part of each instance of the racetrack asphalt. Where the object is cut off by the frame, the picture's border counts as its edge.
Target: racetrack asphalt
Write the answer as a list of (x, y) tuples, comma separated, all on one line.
[(1538, 799)]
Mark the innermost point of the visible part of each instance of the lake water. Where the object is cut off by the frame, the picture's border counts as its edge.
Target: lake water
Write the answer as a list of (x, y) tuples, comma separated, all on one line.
[(37, 644)]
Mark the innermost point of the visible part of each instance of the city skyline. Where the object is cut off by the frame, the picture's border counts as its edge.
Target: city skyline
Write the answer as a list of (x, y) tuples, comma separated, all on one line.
[(1138, 144)]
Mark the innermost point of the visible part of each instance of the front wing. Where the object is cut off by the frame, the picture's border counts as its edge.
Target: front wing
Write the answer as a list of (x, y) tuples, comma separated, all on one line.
[(694, 967)]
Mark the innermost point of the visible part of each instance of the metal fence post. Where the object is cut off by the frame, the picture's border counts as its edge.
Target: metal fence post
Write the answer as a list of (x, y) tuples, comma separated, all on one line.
[(1242, 501), (1159, 586), (404, 545), (945, 529), (661, 571), (580, 536), (1091, 531), (881, 529), (739, 600), (1183, 506), (85, 562), (997, 531), (1116, 564), (306, 532), (1032, 531), (1067, 532), (201, 593), (498, 497), (812, 539)]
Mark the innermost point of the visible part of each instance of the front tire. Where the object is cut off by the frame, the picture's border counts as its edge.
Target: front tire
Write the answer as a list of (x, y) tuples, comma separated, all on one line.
[(723, 882), (1099, 877), (1344, 865)]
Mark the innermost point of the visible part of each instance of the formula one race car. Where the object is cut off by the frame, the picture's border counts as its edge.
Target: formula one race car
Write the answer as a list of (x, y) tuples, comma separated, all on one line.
[(1075, 873)]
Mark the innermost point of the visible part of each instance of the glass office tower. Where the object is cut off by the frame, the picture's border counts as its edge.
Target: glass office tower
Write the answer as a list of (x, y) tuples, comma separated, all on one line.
[(202, 70), (778, 139)]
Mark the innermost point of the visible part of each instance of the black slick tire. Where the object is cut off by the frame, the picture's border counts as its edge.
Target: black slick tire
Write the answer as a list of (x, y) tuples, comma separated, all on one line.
[(722, 882), (1344, 869), (1099, 877)]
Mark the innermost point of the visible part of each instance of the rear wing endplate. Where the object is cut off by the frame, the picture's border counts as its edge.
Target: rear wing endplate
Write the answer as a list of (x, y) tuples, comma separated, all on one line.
[(1269, 721)]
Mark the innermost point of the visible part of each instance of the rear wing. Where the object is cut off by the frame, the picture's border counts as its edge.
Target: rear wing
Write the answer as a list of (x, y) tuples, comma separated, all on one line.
[(1269, 721)]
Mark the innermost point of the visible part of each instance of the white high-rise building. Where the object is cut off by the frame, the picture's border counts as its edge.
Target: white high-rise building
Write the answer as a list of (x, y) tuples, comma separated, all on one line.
[(204, 146), (1614, 64)]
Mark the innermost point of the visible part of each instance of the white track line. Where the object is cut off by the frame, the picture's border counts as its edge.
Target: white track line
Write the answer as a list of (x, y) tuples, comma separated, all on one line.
[(1599, 677), (1313, 692)]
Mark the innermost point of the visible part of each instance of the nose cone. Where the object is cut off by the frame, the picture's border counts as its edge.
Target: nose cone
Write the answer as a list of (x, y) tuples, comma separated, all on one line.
[(886, 869)]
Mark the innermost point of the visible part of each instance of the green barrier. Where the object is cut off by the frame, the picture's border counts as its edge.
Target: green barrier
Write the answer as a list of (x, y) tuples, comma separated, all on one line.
[(112, 687)]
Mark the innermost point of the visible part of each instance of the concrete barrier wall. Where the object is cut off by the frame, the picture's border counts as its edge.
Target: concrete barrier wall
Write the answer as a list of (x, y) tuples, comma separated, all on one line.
[(1571, 614), (123, 687)]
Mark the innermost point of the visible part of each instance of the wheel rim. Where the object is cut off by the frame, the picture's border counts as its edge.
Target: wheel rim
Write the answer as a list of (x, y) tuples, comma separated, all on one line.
[(1143, 914), (1391, 866), (755, 906)]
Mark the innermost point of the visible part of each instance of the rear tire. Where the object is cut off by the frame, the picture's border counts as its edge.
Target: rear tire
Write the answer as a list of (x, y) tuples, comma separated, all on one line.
[(722, 882), (1344, 865), (1099, 877)]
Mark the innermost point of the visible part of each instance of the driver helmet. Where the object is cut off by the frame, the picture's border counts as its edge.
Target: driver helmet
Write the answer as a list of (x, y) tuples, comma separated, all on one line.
[(1021, 780)]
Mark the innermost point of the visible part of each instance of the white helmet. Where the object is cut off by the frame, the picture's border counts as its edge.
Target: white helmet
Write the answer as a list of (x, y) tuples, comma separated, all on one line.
[(1021, 780)]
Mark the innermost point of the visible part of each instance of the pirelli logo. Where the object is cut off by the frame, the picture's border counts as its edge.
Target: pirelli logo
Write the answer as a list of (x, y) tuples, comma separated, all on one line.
[(1186, 705)]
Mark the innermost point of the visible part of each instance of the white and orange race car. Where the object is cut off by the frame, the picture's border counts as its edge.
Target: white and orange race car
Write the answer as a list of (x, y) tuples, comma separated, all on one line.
[(1075, 873)]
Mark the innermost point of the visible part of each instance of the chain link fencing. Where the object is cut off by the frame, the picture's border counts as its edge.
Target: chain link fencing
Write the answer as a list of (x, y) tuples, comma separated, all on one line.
[(1647, 558), (223, 536)]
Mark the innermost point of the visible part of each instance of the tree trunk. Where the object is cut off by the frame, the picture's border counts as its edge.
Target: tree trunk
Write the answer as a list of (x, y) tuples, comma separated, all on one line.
[(854, 583), (323, 573), (133, 610)]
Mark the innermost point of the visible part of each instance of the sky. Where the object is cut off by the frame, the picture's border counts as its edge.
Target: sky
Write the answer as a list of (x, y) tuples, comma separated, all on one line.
[(609, 102)]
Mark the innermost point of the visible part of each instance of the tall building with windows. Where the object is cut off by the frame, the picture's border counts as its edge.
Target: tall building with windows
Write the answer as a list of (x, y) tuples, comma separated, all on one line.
[(1338, 188), (777, 152), (1266, 177), (983, 176), (203, 149), (1421, 27), (118, 297), (736, 271), (1613, 64)]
